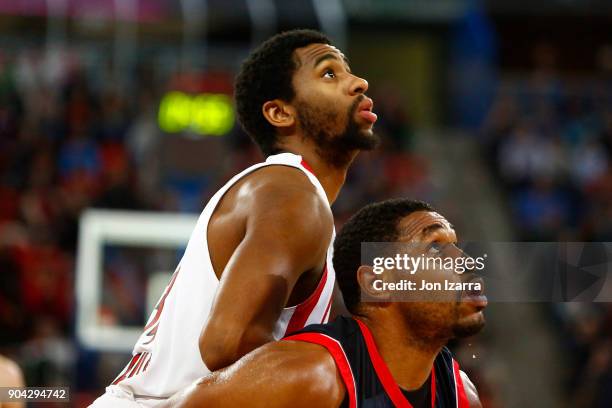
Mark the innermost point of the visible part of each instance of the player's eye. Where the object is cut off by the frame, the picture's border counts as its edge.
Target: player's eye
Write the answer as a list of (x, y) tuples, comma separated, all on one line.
[(329, 73)]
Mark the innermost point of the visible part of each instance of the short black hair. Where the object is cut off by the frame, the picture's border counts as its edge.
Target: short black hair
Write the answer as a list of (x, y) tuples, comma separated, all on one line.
[(373, 223), (265, 75)]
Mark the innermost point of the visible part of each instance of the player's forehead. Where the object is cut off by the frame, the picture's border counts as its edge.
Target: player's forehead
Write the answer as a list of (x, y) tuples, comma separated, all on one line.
[(311, 54), (419, 224)]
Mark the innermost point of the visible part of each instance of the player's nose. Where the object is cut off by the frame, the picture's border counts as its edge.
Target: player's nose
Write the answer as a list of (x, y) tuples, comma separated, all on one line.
[(358, 85)]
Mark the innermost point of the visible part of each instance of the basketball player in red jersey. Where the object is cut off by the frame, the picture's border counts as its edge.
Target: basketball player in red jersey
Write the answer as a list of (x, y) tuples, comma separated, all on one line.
[(389, 354), (258, 264)]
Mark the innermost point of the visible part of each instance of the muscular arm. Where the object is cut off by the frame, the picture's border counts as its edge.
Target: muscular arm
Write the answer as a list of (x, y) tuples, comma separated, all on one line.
[(470, 391), (277, 375), (288, 227)]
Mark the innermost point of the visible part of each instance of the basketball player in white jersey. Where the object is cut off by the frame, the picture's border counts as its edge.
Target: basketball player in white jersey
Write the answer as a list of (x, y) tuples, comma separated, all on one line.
[(258, 264)]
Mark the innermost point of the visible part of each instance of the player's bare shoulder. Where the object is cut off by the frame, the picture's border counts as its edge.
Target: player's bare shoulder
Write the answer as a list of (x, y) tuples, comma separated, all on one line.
[(277, 201), (272, 190), (286, 194), (308, 371), (283, 184), (288, 373)]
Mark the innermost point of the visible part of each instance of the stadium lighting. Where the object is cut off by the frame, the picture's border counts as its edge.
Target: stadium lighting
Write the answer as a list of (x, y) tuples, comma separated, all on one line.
[(205, 114)]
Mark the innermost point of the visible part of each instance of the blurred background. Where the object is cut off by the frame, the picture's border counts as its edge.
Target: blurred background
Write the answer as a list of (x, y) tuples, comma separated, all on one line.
[(498, 112)]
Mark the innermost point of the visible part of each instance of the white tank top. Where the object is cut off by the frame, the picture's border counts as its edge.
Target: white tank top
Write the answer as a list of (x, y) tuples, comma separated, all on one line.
[(166, 357)]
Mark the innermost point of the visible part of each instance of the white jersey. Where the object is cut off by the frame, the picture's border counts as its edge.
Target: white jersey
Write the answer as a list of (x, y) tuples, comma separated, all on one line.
[(166, 357)]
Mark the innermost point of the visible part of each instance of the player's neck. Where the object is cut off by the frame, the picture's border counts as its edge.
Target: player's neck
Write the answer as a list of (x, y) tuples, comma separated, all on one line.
[(409, 358), (330, 176)]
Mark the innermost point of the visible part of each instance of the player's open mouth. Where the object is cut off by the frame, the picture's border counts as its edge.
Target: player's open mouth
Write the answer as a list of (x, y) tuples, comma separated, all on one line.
[(475, 294), (364, 110)]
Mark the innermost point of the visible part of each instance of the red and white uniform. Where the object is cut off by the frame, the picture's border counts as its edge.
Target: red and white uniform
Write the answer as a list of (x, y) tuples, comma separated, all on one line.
[(166, 357)]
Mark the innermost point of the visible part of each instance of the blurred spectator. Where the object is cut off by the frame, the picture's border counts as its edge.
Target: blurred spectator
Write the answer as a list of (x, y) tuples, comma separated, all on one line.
[(525, 155), (552, 136)]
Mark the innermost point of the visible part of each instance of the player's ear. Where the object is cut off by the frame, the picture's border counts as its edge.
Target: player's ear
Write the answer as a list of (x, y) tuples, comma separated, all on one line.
[(371, 285), (279, 113)]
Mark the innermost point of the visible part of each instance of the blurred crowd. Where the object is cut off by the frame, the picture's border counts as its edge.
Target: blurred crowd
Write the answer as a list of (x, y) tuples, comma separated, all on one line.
[(548, 139), (62, 149)]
